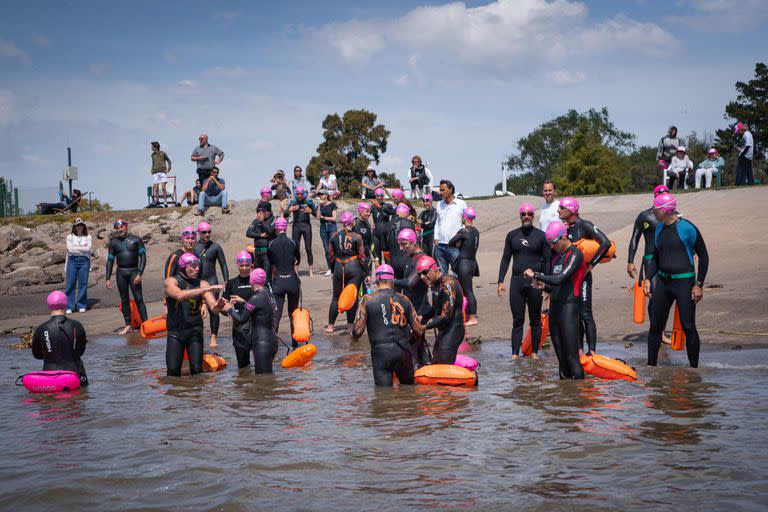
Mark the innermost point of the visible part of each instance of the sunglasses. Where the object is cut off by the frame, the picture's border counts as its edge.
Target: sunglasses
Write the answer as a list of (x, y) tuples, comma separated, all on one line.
[(205, 232), (526, 214), (424, 273), (194, 264), (243, 261), (188, 234)]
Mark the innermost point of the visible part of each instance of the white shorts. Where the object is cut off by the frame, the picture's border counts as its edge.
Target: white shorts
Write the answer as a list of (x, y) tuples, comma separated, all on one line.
[(159, 177)]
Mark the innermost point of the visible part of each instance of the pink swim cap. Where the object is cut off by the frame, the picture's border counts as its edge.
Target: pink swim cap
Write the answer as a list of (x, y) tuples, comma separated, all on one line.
[(427, 198), (662, 164), (363, 207), (555, 231), (281, 224), (347, 219), (470, 213), (244, 257), (570, 203), (402, 208), (258, 277), (300, 190), (266, 191), (527, 207), (188, 232), (425, 263), (738, 127), (398, 193), (188, 258), (118, 223), (660, 189), (203, 226), (665, 202), (57, 300), (384, 273), (379, 192), (406, 235)]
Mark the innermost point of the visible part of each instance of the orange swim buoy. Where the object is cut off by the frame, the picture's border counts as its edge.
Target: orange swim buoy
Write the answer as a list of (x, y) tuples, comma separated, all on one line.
[(347, 298), (590, 247), (135, 317), (445, 375), (606, 367), (213, 362), (301, 325), (638, 308), (678, 335), (527, 347), (154, 328), (299, 356)]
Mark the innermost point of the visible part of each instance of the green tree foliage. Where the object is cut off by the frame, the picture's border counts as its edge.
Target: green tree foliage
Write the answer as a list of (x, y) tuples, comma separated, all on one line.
[(589, 166), (390, 180), (751, 107), (95, 205), (542, 151), (350, 144), (644, 173)]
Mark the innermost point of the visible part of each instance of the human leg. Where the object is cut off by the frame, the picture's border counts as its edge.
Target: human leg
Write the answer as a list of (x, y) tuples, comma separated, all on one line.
[(662, 301), (585, 312)]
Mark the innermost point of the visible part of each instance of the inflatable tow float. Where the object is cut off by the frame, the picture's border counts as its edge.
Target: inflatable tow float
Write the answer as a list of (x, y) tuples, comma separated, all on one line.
[(49, 381), (154, 328), (213, 362), (527, 347), (445, 375), (300, 356), (607, 368)]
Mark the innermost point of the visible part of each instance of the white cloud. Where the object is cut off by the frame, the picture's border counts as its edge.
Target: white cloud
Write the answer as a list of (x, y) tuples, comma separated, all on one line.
[(222, 72), (11, 51), (565, 77), (187, 84), (720, 15), (98, 68)]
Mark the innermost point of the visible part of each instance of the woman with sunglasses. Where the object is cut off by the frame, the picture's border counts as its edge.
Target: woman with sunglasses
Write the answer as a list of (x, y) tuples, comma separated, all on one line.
[(563, 284), (188, 239), (467, 240), (526, 247)]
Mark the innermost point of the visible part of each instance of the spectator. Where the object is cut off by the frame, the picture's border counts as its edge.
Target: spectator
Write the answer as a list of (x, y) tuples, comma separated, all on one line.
[(212, 193), (678, 168), (281, 189), (327, 212), (328, 183), (192, 194), (298, 181), (712, 165), (78, 266), (449, 221), (746, 152), (207, 157), (668, 146), (548, 211), (66, 204), (370, 183), (420, 178), (159, 174)]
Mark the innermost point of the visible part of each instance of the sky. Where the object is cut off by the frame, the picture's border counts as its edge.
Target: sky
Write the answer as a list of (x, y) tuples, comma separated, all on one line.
[(457, 83)]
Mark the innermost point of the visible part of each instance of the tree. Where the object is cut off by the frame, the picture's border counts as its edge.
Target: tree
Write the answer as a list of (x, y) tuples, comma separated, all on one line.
[(540, 152), (643, 169), (751, 107), (591, 167), (390, 180), (351, 143)]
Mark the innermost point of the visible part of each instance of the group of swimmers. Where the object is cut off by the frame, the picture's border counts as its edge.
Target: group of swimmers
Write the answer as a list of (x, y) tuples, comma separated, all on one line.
[(412, 294)]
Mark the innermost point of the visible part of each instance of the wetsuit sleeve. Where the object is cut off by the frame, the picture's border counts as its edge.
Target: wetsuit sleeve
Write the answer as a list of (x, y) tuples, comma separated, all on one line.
[(245, 314), (599, 236), (573, 264), (331, 255), (634, 240), (410, 281), (443, 317), (358, 328), (546, 255), (700, 248), (253, 229), (38, 343), (505, 258), (223, 264), (417, 328), (459, 237), (227, 293), (361, 253), (110, 258), (80, 340), (142, 257)]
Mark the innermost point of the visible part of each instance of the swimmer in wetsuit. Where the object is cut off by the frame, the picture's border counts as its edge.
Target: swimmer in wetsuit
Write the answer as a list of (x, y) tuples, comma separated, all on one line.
[(262, 230), (427, 219), (240, 285), (413, 287), (284, 257), (185, 295), (467, 239), (381, 212), (564, 285), (363, 228), (676, 242), (303, 210), (257, 323), (128, 255), (188, 239), (398, 223), (210, 253), (579, 228), (347, 256), (526, 247), (392, 325), (446, 315), (59, 341)]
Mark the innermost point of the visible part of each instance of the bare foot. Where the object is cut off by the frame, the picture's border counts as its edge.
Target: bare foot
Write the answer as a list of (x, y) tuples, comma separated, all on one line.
[(471, 322), (515, 356), (535, 356), (125, 330), (665, 339), (329, 329), (311, 275)]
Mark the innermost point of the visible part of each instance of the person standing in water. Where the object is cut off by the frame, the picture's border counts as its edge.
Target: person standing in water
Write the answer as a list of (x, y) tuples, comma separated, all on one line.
[(446, 315), (413, 287), (400, 222), (129, 257), (188, 239), (240, 285), (467, 240), (210, 253), (363, 228), (284, 257), (347, 256), (59, 341), (427, 219)]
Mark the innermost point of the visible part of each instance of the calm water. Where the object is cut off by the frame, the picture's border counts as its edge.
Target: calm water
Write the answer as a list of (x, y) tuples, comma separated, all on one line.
[(323, 437)]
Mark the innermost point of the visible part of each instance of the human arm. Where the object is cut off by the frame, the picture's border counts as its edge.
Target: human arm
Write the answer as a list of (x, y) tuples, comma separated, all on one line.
[(700, 248), (634, 240), (571, 266), (217, 153), (599, 237), (71, 243), (660, 150), (204, 187), (38, 343), (331, 255), (170, 164), (253, 230), (459, 238), (417, 328), (80, 340), (245, 313), (410, 281), (448, 300), (142, 256), (358, 328), (110, 261), (171, 288), (222, 264), (506, 257)]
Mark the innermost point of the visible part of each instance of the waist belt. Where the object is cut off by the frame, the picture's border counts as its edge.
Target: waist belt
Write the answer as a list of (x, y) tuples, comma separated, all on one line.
[(648, 256), (259, 249), (428, 232), (676, 276), (346, 260)]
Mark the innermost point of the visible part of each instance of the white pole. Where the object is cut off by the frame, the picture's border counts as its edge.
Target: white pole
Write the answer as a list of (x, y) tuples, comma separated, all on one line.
[(503, 178)]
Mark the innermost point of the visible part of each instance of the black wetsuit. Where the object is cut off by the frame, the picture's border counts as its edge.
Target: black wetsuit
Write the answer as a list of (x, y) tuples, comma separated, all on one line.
[(392, 325), (131, 257), (283, 254), (60, 343), (565, 285), (380, 215), (262, 232), (675, 246), (185, 329), (172, 264), (446, 316), (427, 220), (240, 286), (526, 247), (209, 254), (645, 226), (585, 229), (362, 228), (348, 265), (397, 258), (302, 226), (468, 240), (418, 293), (257, 323)]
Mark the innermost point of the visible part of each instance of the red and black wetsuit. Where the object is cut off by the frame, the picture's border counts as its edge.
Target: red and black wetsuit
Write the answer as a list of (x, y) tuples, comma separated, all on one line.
[(347, 256), (418, 293), (446, 316)]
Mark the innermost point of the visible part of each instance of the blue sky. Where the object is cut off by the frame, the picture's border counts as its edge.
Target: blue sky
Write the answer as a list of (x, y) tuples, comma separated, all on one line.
[(457, 83)]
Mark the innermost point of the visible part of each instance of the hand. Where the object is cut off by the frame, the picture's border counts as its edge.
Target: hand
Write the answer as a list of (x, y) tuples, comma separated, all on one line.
[(537, 284), (697, 294), (500, 289), (215, 288), (236, 299), (528, 274), (204, 311), (108, 284), (647, 288), (221, 302), (293, 208), (137, 279), (226, 307), (631, 270)]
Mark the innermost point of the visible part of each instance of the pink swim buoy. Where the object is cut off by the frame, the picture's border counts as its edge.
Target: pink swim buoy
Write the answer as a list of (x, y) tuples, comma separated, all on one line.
[(463, 347), (50, 381), (466, 362)]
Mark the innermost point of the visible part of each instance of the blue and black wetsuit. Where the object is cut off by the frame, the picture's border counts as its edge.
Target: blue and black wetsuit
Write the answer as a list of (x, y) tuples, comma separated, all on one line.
[(257, 322), (185, 329), (446, 316), (467, 240), (240, 286), (130, 258), (211, 253), (675, 246), (60, 343), (284, 256)]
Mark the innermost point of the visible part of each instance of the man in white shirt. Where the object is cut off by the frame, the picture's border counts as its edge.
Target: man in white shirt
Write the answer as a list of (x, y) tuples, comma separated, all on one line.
[(548, 211), (448, 223), (746, 152)]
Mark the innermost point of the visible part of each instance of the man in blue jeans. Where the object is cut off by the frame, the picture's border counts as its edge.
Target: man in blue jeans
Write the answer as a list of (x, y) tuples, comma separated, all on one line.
[(448, 223), (213, 193)]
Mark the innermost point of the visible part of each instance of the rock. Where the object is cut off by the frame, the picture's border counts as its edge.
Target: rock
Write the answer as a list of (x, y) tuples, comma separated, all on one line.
[(144, 231), (36, 251), (153, 218), (175, 215), (100, 233), (7, 261), (52, 277), (164, 228), (24, 276)]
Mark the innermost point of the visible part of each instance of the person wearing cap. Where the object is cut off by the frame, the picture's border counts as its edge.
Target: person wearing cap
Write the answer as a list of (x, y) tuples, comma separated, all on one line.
[(206, 156), (59, 341), (284, 258), (564, 286), (78, 266), (746, 151), (467, 240), (303, 209), (328, 182), (347, 260), (668, 145), (677, 240), (160, 173), (370, 183), (446, 315), (450, 215), (579, 228), (262, 231), (398, 223), (210, 253), (392, 325), (327, 214), (549, 210), (420, 178), (678, 168), (413, 287), (185, 295), (213, 193), (526, 247), (298, 180), (240, 286), (381, 212), (127, 254), (188, 239), (427, 219), (281, 190), (712, 165), (363, 228)]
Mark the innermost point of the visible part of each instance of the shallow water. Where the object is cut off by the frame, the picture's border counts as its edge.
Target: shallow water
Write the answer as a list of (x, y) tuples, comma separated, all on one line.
[(323, 437)]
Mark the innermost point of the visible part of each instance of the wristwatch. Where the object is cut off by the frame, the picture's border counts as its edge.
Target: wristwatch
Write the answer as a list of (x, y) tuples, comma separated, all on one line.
[(700, 284)]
